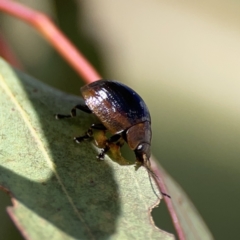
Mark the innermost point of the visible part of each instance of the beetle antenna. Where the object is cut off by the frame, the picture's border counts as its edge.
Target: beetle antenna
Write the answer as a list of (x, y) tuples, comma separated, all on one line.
[(153, 175), (149, 176)]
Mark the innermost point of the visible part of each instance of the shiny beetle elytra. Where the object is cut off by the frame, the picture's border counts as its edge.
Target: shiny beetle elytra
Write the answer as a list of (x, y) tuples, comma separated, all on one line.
[(122, 112)]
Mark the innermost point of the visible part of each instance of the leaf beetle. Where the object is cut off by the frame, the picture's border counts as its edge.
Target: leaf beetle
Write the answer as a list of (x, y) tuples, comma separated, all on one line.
[(122, 112)]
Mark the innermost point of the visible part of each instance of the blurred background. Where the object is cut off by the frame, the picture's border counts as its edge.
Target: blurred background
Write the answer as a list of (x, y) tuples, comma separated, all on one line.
[(183, 58)]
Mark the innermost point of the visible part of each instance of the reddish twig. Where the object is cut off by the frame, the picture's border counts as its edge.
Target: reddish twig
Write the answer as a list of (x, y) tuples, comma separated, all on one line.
[(162, 188), (7, 53), (42, 23)]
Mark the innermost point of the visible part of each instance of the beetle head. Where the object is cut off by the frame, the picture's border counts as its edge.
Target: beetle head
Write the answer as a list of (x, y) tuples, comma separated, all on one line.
[(138, 138)]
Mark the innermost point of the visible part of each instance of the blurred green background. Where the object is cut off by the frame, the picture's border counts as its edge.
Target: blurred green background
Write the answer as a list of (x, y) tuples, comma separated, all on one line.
[(183, 58)]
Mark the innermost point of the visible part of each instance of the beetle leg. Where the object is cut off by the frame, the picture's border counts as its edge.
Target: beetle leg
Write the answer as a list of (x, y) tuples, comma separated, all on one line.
[(118, 140), (87, 135), (98, 126), (101, 155), (89, 132), (112, 139), (82, 107)]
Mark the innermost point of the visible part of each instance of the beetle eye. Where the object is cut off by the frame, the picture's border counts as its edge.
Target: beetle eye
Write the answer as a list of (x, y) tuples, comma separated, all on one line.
[(143, 148), (139, 147)]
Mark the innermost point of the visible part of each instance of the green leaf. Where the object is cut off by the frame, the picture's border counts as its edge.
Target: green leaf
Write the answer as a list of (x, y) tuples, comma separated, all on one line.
[(59, 189)]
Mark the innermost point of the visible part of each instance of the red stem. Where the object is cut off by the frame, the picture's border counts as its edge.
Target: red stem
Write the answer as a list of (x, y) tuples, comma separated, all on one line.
[(54, 36), (7, 53), (162, 188)]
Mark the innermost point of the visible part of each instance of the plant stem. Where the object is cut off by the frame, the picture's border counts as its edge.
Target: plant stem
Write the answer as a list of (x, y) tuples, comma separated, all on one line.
[(49, 30)]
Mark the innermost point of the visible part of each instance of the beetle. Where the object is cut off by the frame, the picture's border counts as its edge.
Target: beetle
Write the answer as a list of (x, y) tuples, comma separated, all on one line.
[(122, 112)]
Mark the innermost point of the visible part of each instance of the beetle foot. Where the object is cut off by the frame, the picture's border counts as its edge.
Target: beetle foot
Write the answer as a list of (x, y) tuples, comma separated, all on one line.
[(87, 135), (79, 139), (61, 116), (101, 155), (137, 165)]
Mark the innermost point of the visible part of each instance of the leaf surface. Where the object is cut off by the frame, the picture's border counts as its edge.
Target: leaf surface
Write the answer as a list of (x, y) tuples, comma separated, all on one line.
[(59, 189)]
